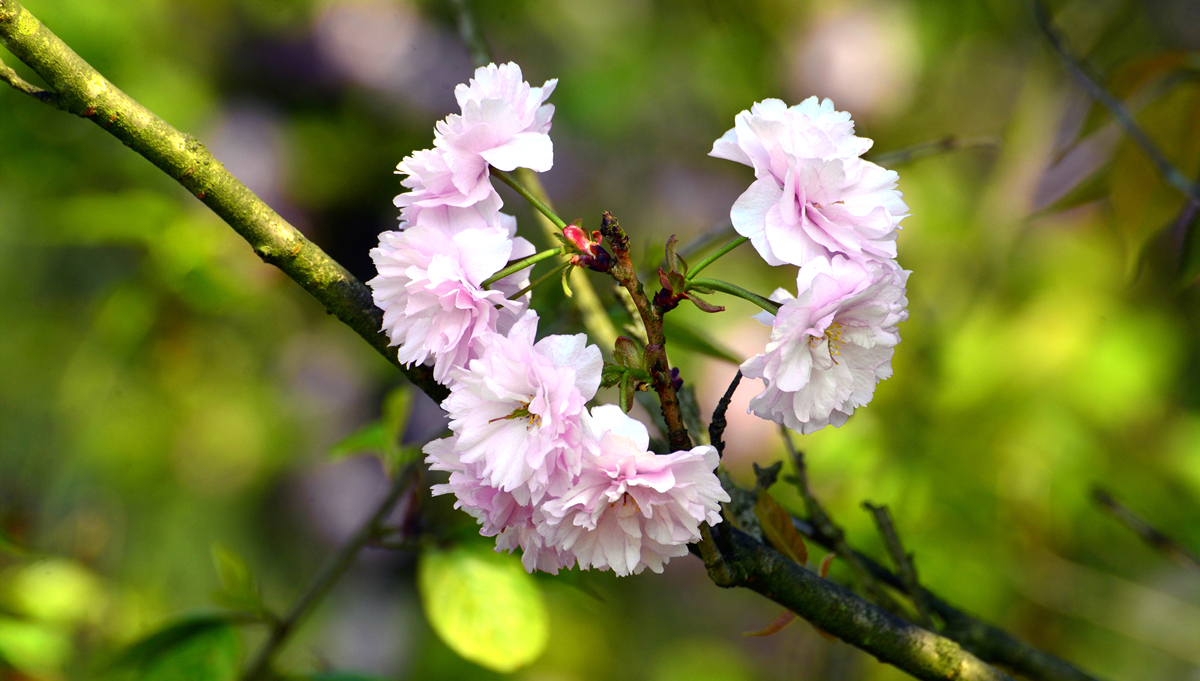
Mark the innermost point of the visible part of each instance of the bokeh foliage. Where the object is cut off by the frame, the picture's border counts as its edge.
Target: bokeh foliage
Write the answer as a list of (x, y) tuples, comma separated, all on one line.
[(164, 391)]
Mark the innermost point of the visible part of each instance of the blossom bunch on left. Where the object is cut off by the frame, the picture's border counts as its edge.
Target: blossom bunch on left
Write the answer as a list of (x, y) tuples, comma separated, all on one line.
[(452, 236), (526, 457)]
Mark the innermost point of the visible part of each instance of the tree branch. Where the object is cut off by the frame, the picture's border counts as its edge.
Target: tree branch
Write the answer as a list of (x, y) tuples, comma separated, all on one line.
[(1148, 533), (904, 561), (368, 533), (81, 90), (838, 611), (716, 427)]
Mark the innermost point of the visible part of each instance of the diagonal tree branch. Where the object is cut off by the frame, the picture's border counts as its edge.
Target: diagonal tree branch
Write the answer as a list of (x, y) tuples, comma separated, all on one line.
[(1148, 533), (80, 89)]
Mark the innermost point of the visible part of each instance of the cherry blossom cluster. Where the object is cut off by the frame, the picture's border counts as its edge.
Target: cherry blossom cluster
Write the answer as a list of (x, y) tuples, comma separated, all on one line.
[(815, 203), (526, 457)]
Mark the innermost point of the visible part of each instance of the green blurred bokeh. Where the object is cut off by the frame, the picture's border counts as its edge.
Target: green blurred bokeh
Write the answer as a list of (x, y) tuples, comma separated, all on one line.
[(162, 390)]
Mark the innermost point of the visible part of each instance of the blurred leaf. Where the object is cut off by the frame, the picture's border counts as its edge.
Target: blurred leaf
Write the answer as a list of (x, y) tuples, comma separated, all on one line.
[(335, 676), (202, 648), (372, 437), (56, 590), (37, 649), (691, 414), (11, 547), (683, 336), (484, 606), (239, 591), (778, 529)]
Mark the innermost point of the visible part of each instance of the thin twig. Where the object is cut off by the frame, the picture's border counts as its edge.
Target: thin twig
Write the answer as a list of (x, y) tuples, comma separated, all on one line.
[(897, 157), (470, 35), (1148, 533), (716, 427), (337, 565), (820, 519), (1182, 234), (905, 567), (10, 76), (1098, 92)]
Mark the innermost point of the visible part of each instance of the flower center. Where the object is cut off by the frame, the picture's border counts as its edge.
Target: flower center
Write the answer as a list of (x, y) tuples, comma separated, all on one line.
[(833, 334), (522, 412), (629, 505)]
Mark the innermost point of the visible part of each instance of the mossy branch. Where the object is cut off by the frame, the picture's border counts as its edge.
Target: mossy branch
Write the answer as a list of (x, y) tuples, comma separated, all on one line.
[(78, 88)]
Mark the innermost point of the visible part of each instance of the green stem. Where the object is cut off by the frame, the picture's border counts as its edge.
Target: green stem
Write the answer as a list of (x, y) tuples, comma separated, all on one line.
[(713, 257), (521, 264), (529, 196), (726, 287), (562, 266)]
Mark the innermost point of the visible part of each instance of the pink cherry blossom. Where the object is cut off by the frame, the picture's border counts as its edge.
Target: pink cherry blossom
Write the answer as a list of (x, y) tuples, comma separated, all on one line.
[(630, 508), (429, 287), (513, 525), (518, 409), (813, 196), (429, 179), (830, 346), (504, 123)]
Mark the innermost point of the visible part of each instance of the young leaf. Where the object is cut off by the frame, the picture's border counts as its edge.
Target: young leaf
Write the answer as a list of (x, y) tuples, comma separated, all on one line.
[(610, 375), (778, 529), (625, 393), (238, 589), (396, 407), (566, 285), (484, 606), (775, 627), (626, 354)]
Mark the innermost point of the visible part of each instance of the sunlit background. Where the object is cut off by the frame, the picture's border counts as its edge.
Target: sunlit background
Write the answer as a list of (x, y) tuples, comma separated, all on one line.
[(162, 390)]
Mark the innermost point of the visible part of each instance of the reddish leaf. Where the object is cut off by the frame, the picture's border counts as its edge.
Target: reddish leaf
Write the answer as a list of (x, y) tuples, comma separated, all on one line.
[(775, 627), (778, 529)]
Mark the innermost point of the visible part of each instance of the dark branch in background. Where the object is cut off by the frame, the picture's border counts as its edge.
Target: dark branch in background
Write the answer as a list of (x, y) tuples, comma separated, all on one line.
[(905, 568), (1181, 233), (821, 520), (368, 533), (1149, 534), (81, 90), (716, 428), (1098, 92), (470, 35), (939, 146)]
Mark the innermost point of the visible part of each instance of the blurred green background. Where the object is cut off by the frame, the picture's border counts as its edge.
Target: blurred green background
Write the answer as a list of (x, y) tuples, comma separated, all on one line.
[(162, 391)]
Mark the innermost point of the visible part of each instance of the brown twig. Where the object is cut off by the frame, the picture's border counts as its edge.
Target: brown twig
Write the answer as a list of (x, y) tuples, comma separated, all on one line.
[(905, 567), (897, 157), (656, 347), (819, 519), (1148, 533)]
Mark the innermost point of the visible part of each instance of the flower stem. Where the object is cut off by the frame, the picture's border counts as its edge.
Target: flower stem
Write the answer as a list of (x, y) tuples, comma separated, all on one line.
[(521, 264), (726, 287), (561, 266), (533, 200), (715, 255)]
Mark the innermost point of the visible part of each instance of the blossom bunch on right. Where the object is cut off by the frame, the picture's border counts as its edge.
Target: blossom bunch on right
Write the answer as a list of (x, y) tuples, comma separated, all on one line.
[(816, 204)]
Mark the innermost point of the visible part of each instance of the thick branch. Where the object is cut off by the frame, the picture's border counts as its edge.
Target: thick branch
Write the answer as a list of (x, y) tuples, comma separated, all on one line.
[(838, 611), (81, 90)]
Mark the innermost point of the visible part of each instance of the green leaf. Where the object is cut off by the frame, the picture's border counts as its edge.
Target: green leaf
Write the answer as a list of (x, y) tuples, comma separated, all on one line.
[(625, 393), (681, 335), (382, 437), (37, 649), (239, 591), (566, 286), (396, 407), (181, 644), (484, 606), (610, 375)]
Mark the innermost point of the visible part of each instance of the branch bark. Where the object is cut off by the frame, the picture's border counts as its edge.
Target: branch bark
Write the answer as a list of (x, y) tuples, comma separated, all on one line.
[(78, 88)]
